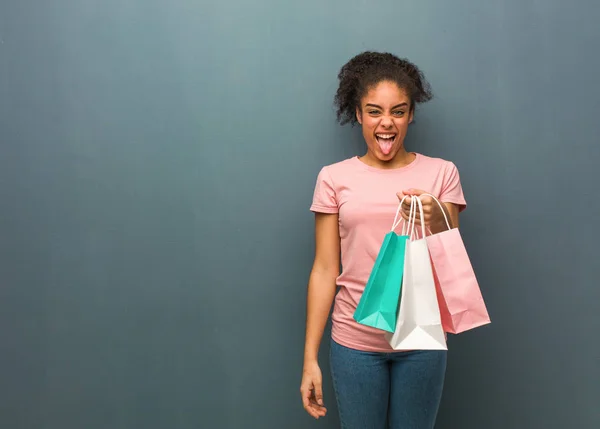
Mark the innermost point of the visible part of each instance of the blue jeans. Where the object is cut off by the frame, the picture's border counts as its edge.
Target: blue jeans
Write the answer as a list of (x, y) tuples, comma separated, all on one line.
[(398, 390)]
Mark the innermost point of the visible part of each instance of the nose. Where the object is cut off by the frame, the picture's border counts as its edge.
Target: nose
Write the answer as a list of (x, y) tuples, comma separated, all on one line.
[(386, 122)]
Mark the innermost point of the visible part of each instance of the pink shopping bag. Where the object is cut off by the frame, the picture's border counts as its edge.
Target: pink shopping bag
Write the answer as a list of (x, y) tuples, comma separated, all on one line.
[(461, 304)]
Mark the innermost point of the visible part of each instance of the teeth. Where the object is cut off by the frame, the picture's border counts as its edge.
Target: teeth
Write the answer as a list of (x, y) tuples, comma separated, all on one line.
[(386, 136)]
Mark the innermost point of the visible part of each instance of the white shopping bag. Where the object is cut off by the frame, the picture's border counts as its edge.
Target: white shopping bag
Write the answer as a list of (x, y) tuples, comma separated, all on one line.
[(419, 323)]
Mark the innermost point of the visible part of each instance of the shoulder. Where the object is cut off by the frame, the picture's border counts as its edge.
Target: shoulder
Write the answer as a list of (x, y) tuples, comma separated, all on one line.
[(337, 171), (330, 181), (436, 164), (447, 179), (444, 171), (341, 166)]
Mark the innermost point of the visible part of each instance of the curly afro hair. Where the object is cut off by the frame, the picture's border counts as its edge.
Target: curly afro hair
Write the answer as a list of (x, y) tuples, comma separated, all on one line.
[(363, 71)]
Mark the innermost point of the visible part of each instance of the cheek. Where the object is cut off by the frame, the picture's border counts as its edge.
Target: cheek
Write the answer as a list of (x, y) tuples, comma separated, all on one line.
[(402, 124), (369, 124)]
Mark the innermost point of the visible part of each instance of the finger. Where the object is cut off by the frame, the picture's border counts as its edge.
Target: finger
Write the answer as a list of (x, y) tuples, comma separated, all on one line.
[(312, 412), (406, 209), (418, 222), (320, 412), (413, 191), (315, 413), (315, 406), (305, 392), (405, 201), (318, 392), (314, 409), (428, 207), (407, 219), (309, 405), (317, 410)]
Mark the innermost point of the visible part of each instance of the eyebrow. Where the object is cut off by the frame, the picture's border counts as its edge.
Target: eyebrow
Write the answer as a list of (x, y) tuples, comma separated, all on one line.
[(379, 107)]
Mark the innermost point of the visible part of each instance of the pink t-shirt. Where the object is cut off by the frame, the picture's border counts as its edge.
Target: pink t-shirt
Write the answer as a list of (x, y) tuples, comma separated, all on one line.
[(365, 200)]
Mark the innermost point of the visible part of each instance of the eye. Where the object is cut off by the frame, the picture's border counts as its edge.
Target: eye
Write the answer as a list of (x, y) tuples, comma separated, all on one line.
[(373, 112), (399, 113)]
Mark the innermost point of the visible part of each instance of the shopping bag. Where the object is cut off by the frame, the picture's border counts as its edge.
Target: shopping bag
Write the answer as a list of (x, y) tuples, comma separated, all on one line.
[(461, 303), (378, 305), (419, 323)]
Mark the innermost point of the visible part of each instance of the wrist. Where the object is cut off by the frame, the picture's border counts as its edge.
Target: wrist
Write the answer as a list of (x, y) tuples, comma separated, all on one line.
[(438, 226), (310, 357)]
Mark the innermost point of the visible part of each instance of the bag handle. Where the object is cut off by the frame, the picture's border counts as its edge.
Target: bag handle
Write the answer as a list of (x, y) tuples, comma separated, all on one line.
[(429, 195), (414, 220), (395, 225), (411, 214), (396, 221)]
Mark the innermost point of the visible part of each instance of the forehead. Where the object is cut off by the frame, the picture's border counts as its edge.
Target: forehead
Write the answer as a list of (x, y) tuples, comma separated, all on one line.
[(385, 92)]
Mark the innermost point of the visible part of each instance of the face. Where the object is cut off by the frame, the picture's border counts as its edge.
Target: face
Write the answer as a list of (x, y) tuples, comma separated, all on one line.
[(384, 114)]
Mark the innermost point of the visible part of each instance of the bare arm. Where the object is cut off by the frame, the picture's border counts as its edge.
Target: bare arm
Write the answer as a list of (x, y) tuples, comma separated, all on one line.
[(321, 291), (452, 212), (438, 223), (322, 282)]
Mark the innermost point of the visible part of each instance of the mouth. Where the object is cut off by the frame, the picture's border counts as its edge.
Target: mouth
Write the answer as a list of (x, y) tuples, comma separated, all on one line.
[(385, 141)]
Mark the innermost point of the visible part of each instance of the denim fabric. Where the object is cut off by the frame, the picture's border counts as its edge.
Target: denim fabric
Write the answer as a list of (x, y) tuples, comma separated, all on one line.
[(397, 390)]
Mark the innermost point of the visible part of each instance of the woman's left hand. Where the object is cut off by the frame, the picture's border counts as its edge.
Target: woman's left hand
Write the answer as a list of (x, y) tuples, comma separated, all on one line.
[(432, 212)]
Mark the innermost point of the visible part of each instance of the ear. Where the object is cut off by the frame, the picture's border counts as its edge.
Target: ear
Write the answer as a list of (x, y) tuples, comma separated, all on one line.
[(411, 116), (359, 115)]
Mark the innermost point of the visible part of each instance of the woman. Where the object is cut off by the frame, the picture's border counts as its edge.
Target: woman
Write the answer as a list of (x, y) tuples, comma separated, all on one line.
[(355, 201)]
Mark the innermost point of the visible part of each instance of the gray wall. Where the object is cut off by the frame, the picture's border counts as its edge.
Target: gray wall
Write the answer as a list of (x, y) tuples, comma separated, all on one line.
[(157, 162)]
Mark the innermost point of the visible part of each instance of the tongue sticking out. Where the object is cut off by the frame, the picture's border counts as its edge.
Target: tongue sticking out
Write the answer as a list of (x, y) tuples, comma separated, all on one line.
[(385, 144)]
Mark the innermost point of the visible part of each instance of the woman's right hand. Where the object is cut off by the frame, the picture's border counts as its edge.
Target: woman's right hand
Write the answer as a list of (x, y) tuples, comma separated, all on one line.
[(312, 390)]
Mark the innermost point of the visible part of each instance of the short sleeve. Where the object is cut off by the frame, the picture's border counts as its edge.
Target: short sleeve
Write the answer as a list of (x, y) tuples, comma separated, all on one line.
[(452, 189), (324, 197)]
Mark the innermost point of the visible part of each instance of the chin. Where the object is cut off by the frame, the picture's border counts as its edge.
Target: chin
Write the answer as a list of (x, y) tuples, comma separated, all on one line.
[(385, 158)]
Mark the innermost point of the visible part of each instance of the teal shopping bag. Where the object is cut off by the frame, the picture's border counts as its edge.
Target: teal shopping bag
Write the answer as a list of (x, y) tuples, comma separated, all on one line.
[(379, 303)]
